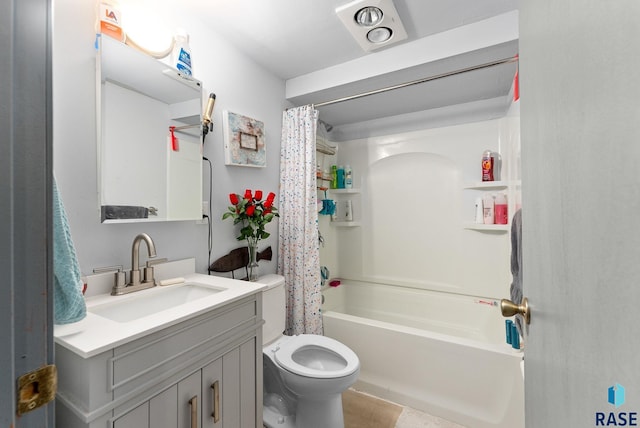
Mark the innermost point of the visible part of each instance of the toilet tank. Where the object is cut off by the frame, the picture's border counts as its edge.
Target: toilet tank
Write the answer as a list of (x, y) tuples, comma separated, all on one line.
[(274, 310)]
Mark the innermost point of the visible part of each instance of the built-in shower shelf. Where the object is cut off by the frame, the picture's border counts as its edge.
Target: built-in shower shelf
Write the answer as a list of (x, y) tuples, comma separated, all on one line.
[(344, 191), (485, 185), (487, 227), (346, 223)]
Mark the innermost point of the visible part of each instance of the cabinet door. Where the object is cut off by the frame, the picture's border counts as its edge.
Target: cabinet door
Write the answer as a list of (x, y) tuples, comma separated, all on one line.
[(189, 401), (248, 385), (231, 389), (212, 395), (163, 409), (136, 418)]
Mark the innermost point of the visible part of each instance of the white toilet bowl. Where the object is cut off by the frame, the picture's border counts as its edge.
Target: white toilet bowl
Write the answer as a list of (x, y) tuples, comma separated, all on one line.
[(304, 375), (316, 370)]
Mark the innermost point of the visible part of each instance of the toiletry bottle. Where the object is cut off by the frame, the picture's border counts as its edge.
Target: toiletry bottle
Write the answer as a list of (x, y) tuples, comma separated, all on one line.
[(515, 337), (501, 209), (479, 213), (497, 166), (334, 177), (348, 211), (487, 206), (340, 177), (110, 19), (487, 166), (508, 324), (348, 177), (181, 55)]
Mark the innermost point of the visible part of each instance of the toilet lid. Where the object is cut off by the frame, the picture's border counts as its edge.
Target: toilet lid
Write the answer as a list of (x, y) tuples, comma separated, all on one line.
[(311, 355)]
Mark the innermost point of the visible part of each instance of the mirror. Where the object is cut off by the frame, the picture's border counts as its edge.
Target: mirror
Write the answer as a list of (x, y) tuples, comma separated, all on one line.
[(144, 174)]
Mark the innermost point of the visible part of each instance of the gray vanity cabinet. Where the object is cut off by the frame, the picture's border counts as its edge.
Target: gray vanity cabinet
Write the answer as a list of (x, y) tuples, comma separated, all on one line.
[(205, 372), (219, 395)]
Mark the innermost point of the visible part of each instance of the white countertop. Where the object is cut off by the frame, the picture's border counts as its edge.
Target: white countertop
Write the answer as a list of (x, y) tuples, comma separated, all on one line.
[(96, 334)]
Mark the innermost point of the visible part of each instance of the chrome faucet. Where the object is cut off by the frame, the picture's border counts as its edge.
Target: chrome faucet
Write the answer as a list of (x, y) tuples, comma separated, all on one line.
[(135, 284)]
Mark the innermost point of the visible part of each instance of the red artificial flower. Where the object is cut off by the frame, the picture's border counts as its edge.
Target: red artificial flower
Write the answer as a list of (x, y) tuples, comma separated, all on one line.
[(247, 194), (258, 194), (250, 210), (268, 203), (266, 211), (271, 196), (233, 198)]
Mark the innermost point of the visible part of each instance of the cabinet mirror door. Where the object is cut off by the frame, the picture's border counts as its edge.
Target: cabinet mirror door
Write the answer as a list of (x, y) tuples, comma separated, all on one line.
[(143, 173)]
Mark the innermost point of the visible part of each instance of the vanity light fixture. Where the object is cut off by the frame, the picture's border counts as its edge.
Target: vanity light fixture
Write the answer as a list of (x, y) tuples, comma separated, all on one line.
[(373, 23)]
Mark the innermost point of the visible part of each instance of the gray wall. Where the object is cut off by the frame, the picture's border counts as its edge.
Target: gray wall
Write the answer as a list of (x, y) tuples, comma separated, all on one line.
[(241, 86)]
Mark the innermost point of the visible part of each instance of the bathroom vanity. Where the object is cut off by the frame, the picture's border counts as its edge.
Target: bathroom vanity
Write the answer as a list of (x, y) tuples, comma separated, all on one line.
[(184, 355)]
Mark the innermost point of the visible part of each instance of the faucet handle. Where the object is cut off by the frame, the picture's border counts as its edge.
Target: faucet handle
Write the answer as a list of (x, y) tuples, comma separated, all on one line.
[(117, 268), (120, 275), (154, 261), (148, 275)]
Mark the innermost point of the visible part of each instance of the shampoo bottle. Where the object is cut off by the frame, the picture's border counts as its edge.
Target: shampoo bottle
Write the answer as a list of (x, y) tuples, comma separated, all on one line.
[(348, 211), (340, 177), (488, 209), (334, 177), (348, 177), (487, 166), (501, 209), (479, 212)]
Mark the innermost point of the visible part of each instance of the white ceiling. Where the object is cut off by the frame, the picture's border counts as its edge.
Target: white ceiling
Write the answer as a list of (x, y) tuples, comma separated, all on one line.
[(293, 38)]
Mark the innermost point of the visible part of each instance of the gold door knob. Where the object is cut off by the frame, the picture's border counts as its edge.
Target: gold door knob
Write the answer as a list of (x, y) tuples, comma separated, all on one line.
[(510, 309)]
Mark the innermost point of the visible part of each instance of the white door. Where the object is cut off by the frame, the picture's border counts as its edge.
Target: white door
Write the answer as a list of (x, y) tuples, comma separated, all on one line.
[(580, 124), (25, 207)]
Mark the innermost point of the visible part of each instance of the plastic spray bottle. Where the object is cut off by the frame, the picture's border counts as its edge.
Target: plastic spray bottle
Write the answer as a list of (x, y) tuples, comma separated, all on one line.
[(181, 54)]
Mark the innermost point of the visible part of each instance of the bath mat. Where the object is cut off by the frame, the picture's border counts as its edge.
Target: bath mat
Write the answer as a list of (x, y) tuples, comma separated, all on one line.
[(364, 411)]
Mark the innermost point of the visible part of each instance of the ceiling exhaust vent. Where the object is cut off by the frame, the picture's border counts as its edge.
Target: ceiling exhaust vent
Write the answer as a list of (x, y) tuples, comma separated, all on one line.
[(373, 23)]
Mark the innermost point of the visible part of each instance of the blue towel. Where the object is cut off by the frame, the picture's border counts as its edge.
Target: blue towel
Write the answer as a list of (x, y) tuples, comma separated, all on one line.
[(68, 301)]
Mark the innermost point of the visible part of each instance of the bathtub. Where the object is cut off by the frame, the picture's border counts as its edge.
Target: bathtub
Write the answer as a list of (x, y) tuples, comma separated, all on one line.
[(441, 353)]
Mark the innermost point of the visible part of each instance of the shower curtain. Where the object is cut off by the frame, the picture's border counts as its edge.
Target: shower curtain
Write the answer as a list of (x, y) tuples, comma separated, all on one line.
[(298, 252)]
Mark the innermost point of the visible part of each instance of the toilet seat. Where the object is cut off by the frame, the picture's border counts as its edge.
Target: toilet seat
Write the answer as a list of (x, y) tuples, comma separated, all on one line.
[(316, 356)]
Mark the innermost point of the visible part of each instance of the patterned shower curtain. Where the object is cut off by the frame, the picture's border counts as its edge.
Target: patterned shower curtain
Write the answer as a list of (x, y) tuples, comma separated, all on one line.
[(298, 252)]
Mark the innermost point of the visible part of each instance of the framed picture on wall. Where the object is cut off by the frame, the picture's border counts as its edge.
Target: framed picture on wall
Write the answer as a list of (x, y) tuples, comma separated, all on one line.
[(244, 143)]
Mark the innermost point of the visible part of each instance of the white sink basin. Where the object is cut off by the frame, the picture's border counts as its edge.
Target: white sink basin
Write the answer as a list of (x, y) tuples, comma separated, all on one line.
[(147, 302)]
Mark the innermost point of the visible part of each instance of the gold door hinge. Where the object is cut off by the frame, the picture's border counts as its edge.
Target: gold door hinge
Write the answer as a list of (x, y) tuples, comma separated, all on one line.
[(37, 388)]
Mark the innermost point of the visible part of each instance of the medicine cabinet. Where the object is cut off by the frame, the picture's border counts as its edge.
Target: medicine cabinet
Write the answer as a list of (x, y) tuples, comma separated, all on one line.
[(143, 173)]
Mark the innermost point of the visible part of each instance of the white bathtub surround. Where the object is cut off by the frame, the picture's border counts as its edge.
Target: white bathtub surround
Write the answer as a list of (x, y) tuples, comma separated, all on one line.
[(447, 351), (298, 255), (416, 199)]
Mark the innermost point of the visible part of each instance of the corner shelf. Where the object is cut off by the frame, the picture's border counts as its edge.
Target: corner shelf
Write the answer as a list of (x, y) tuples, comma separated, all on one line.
[(346, 223), (487, 227), (480, 185), (344, 191)]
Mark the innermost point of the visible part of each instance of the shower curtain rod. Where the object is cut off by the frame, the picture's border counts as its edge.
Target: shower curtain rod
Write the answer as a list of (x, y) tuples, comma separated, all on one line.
[(418, 81)]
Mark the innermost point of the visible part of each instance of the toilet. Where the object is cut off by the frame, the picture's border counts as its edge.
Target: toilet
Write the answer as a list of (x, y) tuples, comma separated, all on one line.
[(304, 375)]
